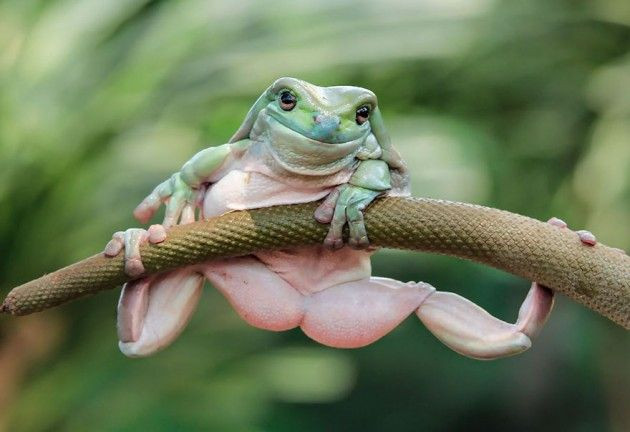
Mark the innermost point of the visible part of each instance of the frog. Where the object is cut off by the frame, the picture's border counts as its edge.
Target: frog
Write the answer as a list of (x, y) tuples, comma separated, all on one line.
[(303, 143)]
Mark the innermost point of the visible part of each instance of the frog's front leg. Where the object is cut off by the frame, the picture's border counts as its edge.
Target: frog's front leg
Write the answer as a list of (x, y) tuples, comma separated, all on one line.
[(346, 204), (153, 310), (185, 189)]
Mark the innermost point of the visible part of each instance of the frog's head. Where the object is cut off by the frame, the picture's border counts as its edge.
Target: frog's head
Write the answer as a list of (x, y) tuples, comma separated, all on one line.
[(314, 130), (327, 114)]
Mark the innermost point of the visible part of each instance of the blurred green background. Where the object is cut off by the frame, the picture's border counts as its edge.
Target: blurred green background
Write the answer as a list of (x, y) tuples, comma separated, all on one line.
[(519, 105)]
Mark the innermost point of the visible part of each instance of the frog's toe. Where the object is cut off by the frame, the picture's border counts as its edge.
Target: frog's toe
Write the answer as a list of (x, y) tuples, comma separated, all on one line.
[(358, 235), (134, 238), (153, 311), (325, 211), (557, 222), (188, 214), (359, 243), (157, 233), (115, 245), (134, 267), (147, 208), (587, 237), (334, 239)]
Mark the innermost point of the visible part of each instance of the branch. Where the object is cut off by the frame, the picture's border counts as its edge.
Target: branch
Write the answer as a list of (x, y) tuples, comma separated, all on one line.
[(597, 277)]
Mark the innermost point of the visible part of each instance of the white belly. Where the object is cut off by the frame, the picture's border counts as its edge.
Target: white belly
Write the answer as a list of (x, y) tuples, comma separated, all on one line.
[(239, 190), (307, 269)]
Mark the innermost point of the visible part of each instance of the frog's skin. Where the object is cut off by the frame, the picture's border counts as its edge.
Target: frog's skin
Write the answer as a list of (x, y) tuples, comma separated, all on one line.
[(284, 153)]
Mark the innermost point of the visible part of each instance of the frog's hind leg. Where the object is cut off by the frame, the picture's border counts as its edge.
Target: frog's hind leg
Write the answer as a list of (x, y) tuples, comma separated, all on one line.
[(468, 329), (260, 296), (347, 315), (357, 313)]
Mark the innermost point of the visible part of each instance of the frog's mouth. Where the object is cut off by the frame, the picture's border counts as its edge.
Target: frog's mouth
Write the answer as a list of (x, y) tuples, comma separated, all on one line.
[(300, 154)]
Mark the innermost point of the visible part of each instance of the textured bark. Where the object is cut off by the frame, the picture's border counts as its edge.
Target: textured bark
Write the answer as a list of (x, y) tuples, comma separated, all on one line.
[(597, 277)]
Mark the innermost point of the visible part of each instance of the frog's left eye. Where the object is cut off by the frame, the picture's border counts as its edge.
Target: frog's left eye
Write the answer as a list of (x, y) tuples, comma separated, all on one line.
[(363, 113), (287, 100)]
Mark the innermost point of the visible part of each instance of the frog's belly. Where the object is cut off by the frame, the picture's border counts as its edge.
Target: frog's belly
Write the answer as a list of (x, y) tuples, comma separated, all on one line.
[(315, 268), (239, 190), (309, 269)]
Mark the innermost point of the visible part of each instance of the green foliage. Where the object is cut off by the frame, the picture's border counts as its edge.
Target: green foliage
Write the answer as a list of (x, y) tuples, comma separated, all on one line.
[(518, 105)]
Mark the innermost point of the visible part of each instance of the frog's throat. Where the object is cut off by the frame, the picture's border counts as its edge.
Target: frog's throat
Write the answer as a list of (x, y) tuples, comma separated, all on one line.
[(302, 155)]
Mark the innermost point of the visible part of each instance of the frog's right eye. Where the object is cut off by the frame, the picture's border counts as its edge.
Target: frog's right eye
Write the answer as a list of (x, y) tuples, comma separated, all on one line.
[(287, 100)]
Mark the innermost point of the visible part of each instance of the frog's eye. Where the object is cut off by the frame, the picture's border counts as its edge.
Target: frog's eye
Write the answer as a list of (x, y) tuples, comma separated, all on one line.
[(287, 100), (363, 113)]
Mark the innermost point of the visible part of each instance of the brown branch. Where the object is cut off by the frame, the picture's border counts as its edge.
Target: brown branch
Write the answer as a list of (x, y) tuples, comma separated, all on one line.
[(597, 277)]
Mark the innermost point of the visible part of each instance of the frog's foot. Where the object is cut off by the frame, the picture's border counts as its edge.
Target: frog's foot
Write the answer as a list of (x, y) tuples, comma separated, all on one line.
[(346, 204), (130, 241), (180, 199), (468, 329), (471, 331), (152, 311)]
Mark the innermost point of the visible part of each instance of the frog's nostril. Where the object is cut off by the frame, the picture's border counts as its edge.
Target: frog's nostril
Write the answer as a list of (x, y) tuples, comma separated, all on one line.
[(325, 125), (328, 121)]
